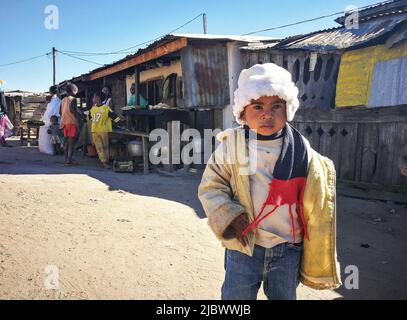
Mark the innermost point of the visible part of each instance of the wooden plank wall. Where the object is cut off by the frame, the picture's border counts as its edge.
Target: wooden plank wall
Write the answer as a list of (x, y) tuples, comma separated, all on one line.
[(316, 89), (365, 149)]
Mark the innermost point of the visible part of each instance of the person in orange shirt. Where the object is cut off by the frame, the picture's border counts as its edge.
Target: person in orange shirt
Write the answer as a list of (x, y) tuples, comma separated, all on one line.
[(69, 121)]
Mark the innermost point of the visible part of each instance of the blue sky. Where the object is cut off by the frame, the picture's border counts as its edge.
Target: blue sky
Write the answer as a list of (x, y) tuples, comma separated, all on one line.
[(105, 26)]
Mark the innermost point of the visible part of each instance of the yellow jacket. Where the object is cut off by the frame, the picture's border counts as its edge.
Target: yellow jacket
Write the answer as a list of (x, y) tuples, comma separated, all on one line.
[(225, 194)]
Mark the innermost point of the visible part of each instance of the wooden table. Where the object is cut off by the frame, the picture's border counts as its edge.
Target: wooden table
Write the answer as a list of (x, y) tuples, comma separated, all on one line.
[(158, 118), (145, 138), (25, 130)]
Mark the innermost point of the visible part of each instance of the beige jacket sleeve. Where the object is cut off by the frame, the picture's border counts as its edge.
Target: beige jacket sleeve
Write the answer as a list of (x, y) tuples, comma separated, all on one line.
[(216, 194)]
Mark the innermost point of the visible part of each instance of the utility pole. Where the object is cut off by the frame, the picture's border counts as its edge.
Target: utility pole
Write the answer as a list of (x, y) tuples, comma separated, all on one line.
[(53, 65), (204, 23)]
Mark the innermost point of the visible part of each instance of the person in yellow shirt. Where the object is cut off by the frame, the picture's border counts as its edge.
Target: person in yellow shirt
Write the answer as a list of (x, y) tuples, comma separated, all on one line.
[(102, 117)]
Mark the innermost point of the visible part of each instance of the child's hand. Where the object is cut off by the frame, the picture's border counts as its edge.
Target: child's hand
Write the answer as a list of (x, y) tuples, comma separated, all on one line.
[(403, 170), (236, 228)]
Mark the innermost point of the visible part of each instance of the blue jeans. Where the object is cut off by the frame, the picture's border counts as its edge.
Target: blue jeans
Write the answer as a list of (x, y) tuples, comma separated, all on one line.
[(277, 268)]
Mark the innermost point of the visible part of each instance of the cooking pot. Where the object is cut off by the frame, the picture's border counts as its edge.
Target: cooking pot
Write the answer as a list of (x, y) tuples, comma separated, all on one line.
[(135, 148)]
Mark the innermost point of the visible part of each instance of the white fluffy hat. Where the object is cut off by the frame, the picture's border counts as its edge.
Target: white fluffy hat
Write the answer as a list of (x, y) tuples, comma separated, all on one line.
[(265, 80)]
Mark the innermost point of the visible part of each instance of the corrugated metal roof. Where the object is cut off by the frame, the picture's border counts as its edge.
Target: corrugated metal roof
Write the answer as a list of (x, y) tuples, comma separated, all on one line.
[(375, 10), (259, 46), (389, 86), (172, 37), (22, 93), (340, 38), (345, 38), (224, 37)]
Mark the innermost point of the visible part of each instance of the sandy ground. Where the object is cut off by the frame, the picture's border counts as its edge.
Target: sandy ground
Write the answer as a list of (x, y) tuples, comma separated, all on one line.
[(91, 233)]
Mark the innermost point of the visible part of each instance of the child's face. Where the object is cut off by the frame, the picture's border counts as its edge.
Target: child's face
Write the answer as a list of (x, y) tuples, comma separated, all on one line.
[(267, 115), (54, 121)]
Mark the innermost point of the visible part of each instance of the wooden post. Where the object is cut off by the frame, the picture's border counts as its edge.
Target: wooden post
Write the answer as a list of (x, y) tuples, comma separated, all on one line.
[(204, 23), (137, 84), (169, 166), (53, 65), (21, 135), (86, 96), (145, 155)]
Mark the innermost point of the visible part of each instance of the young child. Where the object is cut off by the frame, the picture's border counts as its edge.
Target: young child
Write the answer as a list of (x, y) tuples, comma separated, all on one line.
[(273, 210), (102, 117), (57, 136)]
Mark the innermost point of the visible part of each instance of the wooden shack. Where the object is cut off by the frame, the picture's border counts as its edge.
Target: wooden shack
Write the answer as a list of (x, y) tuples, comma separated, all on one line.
[(25, 106), (188, 78), (195, 73)]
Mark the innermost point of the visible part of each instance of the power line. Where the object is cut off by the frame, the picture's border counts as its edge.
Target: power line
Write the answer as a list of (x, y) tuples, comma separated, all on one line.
[(25, 60), (292, 24), (90, 54), (125, 51), (317, 18), (75, 57), (172, 31)]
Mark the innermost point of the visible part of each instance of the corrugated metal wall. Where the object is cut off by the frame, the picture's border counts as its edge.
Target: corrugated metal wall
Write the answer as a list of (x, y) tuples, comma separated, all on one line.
[(356, 72), (205, 74), (389, 84)]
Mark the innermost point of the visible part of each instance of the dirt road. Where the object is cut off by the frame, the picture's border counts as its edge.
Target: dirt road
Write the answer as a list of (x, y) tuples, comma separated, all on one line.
[(91, 233)]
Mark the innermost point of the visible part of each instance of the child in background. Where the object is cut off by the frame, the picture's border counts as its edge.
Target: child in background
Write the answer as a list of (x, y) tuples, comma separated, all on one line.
[(57, 136), (102, 117), (132, 100)]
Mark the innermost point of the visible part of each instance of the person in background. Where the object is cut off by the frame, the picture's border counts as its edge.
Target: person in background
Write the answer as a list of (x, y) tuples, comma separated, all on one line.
[(69, 121), (3, 113), (57, 136), (107, 98), (85, 132), (102, 116), (403, 161), (132, 100), (54, 106)]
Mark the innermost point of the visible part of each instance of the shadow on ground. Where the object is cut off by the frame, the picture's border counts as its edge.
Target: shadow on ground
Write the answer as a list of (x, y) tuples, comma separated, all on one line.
[(182, 188)]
